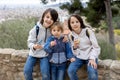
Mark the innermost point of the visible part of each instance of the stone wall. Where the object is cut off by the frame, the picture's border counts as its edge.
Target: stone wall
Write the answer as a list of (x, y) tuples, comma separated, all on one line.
[(12, 62)]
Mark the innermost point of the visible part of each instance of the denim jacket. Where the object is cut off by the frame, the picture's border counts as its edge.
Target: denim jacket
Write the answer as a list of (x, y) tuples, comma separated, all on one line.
[(60, 52)]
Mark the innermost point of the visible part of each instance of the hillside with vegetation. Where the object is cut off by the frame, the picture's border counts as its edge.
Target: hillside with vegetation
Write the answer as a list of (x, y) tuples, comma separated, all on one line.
[(15, 26)]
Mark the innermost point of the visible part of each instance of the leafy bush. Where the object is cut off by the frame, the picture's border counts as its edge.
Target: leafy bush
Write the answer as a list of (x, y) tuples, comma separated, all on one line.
[(118, 50), (107, 50), (117, 31), (14, 33)]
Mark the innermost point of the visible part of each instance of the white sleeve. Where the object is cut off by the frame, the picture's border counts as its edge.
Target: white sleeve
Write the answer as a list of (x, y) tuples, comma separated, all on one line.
[(32, 39), (95, 47)]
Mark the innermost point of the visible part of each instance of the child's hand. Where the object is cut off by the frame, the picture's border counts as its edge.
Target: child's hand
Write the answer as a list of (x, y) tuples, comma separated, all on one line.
[(72, 59), (76, 43), (92, 63), (37, 46), (65, 39), (53, 43)]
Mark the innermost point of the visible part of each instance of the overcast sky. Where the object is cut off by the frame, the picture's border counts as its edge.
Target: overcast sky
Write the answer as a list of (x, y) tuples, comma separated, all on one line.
[(25, 1), (19, 1)]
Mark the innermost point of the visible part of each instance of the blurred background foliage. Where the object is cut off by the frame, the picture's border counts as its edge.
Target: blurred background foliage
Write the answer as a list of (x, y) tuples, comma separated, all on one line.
[(14, 33)]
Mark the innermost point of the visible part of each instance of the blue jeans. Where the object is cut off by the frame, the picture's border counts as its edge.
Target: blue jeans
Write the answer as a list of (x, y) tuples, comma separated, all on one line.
[(44, 68), (58, 71), (74, 66)]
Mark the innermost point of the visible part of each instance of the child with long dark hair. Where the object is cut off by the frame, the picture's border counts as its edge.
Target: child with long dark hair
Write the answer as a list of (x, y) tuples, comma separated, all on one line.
[(84, 46), (36, 44)]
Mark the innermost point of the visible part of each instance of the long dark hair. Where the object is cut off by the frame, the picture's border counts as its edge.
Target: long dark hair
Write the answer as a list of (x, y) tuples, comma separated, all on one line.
[(53, 14), (79, 19)]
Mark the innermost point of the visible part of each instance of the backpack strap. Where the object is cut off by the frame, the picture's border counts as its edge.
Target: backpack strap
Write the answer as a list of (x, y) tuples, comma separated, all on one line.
[(71, 37), (45, 35), (87, 33), (37, 30)]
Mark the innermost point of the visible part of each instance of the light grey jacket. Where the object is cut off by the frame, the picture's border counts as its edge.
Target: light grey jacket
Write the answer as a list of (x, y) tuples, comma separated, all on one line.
[(88, 46), (39, 53)]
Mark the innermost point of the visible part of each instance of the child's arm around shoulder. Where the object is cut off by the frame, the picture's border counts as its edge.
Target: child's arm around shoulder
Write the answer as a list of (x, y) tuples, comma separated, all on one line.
[(47, 46), (69, 52)]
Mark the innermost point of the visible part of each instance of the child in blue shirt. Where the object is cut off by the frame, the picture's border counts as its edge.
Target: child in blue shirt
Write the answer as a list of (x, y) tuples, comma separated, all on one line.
[(59, 52)]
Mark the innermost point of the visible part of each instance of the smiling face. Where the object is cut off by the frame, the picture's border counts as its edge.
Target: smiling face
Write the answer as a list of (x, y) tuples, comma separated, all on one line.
[(47, 20), (75, 24)]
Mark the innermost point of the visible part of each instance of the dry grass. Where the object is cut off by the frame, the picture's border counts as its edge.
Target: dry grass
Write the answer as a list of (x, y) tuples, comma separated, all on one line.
[(106, 51)]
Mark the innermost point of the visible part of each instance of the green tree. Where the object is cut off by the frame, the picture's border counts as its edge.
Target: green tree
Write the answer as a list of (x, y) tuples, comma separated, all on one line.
[(109, 22), (44, 1), (96, 11), (74, 7)]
